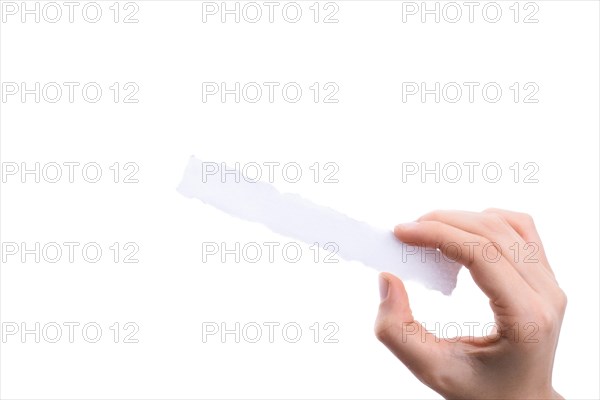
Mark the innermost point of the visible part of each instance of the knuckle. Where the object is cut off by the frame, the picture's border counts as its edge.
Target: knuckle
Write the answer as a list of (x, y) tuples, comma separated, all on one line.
[(434, 215), (539, 317), (547, 321), (493, 222), (526, 219), (562, 300)]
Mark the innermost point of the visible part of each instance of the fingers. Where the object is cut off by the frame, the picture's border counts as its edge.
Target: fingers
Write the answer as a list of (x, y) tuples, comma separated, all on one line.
[(498, 280), (396, 328), (498, 360), (523, 224), (494, 228)]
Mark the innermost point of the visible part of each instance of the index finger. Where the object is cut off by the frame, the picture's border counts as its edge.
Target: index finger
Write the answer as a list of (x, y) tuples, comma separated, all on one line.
[(498, 280)]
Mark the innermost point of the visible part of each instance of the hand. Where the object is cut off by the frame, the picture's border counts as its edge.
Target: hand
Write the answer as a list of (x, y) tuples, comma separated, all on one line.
[(524, 297)]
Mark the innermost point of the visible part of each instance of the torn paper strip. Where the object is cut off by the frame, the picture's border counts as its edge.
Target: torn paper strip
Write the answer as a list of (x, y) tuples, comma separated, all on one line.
[(295, 217)]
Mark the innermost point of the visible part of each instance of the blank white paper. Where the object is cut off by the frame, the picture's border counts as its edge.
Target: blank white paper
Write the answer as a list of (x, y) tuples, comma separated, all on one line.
[(300, 219)]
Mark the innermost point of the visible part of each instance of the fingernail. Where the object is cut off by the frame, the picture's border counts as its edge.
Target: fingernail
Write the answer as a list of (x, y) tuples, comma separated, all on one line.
[(407, 225), (384, 286)]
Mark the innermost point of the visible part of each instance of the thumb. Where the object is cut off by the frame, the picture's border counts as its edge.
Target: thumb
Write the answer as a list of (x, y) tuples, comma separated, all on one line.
[(396, 328)]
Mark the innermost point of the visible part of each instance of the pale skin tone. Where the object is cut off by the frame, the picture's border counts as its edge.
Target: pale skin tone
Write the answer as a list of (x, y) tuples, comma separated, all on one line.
[(523, 294)]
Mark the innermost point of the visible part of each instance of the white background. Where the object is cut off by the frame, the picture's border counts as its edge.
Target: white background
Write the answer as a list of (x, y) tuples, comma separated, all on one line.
[(369, 133)]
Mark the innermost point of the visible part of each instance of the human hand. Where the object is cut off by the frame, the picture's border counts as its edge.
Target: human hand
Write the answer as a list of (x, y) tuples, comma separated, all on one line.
[(524, 296)]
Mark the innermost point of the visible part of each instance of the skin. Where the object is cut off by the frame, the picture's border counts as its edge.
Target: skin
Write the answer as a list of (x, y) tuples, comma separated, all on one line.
[(516, 361)]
